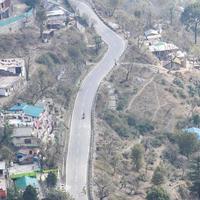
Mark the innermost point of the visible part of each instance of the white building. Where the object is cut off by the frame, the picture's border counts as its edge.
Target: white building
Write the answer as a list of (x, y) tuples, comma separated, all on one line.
[(8, 84), (13, 65)]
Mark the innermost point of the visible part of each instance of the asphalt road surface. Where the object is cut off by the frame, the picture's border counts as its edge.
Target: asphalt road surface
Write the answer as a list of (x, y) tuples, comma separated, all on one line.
[(80, 131)]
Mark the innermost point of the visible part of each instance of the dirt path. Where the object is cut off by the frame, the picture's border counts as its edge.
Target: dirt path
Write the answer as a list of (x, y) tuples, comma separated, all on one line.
[(158, 101), (139, 93)]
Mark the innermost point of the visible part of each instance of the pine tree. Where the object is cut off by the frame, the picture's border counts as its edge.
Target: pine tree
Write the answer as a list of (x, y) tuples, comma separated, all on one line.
[(194, 174)]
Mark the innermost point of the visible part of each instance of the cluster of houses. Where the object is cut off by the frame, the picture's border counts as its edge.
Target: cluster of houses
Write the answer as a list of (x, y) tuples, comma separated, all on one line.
[(32, 129), (169, 55), (57, 18), (12, 72)]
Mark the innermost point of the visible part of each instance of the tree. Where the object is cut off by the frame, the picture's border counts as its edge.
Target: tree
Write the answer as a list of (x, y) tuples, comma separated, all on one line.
[(194, 175), (187, 143), (137, 155), (31, 3), (157, 193), (191, 18), (41, 17), (129, 184), (113, 6), (51, 180), (171, 153), (6, 153), (182, 162), (158, 176), (30, 193), (98, 42), (58, 195), (74, 54), (5, 134), (104, 186), (14, 194)]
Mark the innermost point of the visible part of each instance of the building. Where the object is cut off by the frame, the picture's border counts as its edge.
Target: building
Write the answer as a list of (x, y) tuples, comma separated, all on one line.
[(8, 84), (23, 182), (47, 35), (163, 49), (152, 35), (27, 111), (16, 66), (3, 184), (23, 137), (56, 19), (5, 9)]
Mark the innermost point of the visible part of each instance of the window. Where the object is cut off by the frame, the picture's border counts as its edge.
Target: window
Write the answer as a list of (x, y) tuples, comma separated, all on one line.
[(27, 141)]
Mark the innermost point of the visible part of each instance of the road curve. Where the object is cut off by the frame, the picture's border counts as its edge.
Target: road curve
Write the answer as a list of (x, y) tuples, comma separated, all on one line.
[(80, 130)]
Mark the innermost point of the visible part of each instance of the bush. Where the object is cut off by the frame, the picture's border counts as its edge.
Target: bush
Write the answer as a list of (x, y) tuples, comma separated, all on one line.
[(178, 82), (171, 153), (51, 180), (158, 176), (187, 143), (156, 142), (181, 94), (157, 193), (131, 121), (137, 155), (121, 103), (145, 127), (116, 123), (48, 59)]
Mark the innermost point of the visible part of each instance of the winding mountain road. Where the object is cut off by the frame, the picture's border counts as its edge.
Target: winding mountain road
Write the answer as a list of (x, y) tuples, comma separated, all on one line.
[(80, 130)]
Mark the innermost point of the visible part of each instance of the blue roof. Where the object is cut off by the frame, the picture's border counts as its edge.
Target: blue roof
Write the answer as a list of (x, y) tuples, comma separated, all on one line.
[(193, 130), (23, 182), (30, 110)]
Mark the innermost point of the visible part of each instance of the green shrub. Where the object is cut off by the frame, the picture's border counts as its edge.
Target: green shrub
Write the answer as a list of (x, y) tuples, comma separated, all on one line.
[(48, 59), (116, 123), (178, 82), (131, 121), (157, 193), (145, 127), (158, 176)]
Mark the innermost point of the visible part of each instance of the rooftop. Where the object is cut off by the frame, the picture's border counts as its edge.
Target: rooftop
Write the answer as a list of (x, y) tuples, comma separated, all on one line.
[(8, 81), (20, 169), (22, 132), (30, 110), (11, 62), (151, 32), (25, 181), (162, 46), (55, 13), (2, 165)]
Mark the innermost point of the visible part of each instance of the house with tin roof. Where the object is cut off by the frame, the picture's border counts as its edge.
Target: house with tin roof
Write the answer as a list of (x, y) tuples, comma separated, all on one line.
[(163, 49), (28, 110), (23, 182)]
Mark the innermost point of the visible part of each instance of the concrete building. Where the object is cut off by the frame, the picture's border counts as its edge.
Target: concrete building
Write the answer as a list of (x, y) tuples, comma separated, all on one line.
[(56, 19), (16, 66), (23, 137), (8, 84), (5, 9), (163, 49)]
